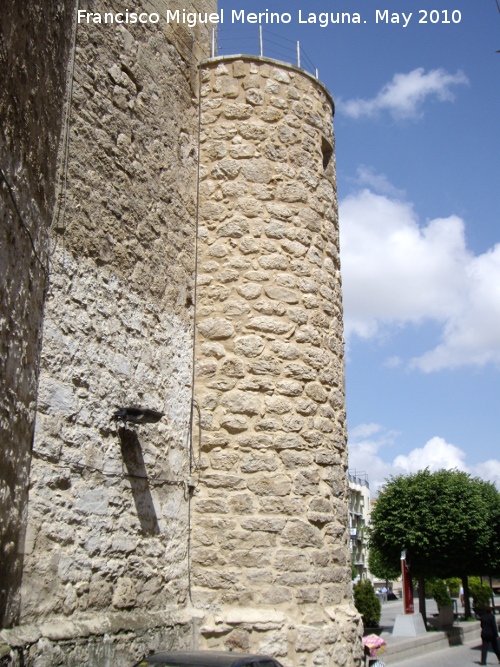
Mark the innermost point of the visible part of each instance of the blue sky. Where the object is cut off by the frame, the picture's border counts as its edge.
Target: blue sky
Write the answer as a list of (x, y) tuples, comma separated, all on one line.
[(418, 166)]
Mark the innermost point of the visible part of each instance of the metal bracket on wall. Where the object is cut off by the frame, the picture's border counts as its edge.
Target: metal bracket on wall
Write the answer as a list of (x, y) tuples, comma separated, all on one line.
[(137, 415)]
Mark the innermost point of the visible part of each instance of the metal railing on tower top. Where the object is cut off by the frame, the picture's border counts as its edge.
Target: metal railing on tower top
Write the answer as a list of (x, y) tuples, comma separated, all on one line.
[(262, 43)]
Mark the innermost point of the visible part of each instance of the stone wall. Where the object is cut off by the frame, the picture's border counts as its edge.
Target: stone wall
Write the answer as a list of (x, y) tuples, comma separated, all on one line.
[(133, 541), (108, 505), (270, 558), (34, 46), (111, 640)]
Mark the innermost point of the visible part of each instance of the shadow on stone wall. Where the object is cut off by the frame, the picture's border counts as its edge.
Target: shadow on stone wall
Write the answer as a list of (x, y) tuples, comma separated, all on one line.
[(136, 470)]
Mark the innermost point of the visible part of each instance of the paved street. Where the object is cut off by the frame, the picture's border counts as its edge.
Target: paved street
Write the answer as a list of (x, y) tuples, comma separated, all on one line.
[(454, 656)]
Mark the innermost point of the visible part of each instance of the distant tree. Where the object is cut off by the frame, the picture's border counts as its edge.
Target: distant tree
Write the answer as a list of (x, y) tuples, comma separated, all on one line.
[(381, 568), (438, 588), (454, 584), (481, 594), (443, 520)]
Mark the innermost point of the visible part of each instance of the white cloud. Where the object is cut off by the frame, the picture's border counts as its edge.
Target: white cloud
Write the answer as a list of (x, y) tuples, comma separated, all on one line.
[(489, 470), (472, 333), (436, 454), (364, 430), (404, 96), (365, 443), (393, 362), (367, 176), (398, 272), (366, 454)]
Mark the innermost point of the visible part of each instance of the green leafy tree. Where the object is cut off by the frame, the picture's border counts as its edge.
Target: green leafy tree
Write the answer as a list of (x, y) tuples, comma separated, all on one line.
[(381, 568), (490, 564), (454, 584), (367, 603), (442, 519)]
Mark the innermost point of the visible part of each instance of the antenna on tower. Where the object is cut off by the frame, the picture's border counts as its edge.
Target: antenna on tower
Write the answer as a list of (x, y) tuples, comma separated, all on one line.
[(498, 7)]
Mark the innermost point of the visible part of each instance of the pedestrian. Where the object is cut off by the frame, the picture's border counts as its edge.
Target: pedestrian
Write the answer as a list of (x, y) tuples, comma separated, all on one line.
[(489, 635), (462, 595)]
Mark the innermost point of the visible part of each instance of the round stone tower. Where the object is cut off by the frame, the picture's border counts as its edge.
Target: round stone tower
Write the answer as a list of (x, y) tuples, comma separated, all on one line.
[(270, 550)]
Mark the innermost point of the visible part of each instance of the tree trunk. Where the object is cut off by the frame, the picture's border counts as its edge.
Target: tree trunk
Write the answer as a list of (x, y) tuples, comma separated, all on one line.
[(421, 599), (465, 584)]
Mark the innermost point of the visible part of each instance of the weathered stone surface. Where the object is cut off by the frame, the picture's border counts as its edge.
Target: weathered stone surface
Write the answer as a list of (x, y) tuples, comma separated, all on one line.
[(289, 441), (267, 485), (213, 350), (292, 423), (270, 307), (249, 346), (29, 140), (216, 328), (300, 372), (266, 525), (327, 458), (232, 308), (269, 255), (295, 459), (276, 405), (234, 423), (249, 246), (264, 365), (108, 509), (238, 111), (307, 483), (271, 325), (258, 463), (205, 368), (291, 561), (259, 619), (214, 506), (257, 171), (285, 350), (223, 481), (241, 403), (255, 441), (268, 425), (242, 503), (233, 368), (289, 388), (316, 392), (117, 330), (281, 294), (125, 594), (222, 384), (223, 459), (308, 639), (238, 640), (274, 262), (260, 384), (275, 643), (300, 534), (250, 290)]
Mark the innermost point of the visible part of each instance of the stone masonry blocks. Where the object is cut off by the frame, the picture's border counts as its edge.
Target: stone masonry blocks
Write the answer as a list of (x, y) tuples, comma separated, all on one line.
[(269, 516), (106, 525)]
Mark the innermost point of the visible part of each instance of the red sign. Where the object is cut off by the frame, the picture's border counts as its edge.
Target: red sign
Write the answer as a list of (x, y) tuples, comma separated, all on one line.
[(407, 585)]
